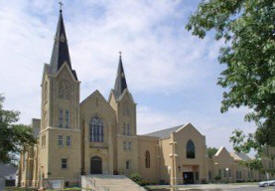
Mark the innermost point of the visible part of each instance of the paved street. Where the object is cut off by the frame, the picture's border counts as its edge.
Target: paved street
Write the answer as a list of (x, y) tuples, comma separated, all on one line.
[(255, 188), (237, 189), (218, 187), (232, 188)]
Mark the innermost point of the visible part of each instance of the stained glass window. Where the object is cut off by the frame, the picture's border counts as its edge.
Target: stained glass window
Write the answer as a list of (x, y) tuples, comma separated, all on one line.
[(190, 150), (96, 130)]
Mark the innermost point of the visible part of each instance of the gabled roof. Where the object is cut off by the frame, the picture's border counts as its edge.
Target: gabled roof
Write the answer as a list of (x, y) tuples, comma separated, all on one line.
[(96, 92), (120, 83), (165, 133), (60, 53), (221, 149), (240, 156)]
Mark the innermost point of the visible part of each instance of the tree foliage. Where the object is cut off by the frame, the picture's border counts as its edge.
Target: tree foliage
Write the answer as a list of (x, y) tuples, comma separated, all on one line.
[(211, 151), (13, 137), (246, 143), (247, 27)]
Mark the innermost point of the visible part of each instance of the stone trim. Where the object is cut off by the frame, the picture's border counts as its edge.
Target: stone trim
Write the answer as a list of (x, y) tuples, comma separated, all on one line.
[(57, 128)]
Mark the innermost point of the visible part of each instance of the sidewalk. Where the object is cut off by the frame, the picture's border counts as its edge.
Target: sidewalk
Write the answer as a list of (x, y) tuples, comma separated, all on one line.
[(205, 186), (218, 186)]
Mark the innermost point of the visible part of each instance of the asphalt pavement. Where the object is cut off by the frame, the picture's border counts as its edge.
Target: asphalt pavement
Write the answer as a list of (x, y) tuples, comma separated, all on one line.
[(254, 188), (218, 187), (248, 188)]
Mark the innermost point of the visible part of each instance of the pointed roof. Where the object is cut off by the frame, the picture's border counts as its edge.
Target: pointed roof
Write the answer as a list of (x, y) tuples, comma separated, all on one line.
[(240, 156), (120, 84), (60, 53), (164, 133), (221, 149)]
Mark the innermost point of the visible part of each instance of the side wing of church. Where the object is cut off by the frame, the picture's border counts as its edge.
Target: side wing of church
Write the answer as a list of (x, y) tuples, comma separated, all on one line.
[(99, 136)]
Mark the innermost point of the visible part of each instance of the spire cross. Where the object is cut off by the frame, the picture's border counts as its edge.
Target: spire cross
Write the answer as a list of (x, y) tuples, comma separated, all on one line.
[(60, 5)]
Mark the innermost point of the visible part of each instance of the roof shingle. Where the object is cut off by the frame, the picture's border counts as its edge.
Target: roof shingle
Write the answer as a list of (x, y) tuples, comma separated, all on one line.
[(165, 133)]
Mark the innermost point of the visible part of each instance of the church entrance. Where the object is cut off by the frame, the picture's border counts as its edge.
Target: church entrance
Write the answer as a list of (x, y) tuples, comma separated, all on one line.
[(96, 165), (188, 177)]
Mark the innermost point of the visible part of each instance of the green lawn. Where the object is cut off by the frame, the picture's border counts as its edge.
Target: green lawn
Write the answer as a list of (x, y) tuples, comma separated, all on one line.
[(19, 189), (33, 189)]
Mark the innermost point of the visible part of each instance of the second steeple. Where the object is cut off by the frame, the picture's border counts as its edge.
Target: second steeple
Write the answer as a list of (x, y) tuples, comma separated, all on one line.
[(120, 83)]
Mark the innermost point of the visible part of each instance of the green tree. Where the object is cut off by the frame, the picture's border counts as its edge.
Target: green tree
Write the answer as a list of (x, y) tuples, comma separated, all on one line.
[(211, 151), (245, 143), (248, 31), (13, 137)]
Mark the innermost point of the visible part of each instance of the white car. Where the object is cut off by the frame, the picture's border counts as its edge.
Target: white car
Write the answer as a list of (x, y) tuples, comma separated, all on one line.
[(272, 183), (267, 183)]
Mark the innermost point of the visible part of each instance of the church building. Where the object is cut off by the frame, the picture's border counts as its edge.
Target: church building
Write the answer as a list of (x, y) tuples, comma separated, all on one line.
[(99, 136)]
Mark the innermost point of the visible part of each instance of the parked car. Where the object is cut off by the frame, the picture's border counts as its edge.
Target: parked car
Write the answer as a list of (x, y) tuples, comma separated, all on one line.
[(267, 183), (272, 183)]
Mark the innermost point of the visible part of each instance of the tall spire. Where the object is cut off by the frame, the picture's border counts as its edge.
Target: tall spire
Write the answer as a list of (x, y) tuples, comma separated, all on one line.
[(60, 53), (120, 84)]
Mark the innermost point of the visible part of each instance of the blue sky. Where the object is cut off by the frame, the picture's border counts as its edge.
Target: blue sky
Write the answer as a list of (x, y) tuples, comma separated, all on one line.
[(171, 74)]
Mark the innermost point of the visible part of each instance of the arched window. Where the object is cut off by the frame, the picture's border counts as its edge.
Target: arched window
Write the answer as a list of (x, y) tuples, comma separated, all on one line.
[(147, 159), (96, 130), (190, 150)]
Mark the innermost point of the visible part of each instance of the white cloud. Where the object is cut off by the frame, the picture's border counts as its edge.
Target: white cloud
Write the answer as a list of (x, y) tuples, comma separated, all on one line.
[(23, 48), (217, 128), (159, 56), (152, 51)]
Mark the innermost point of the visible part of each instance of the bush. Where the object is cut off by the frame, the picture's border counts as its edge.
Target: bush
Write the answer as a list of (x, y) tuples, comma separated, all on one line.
[(217, 178), (240, 181), (19, 189), (72, 189), (138, 179), (203, 181), (162, 182)]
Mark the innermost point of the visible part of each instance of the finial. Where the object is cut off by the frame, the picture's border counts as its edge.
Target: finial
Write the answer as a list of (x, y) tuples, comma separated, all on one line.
[(60, 6), (120, 53)]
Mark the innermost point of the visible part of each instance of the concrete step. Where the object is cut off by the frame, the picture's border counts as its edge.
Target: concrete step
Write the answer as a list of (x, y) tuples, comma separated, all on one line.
[(109, 183)]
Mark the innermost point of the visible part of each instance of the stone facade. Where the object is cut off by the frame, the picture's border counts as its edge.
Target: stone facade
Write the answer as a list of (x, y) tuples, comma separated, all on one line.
[(227, 167), (99, 136)]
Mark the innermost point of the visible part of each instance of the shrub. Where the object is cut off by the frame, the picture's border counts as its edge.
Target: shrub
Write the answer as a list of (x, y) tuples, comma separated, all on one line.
[(19, 189), (138, 179), (162, 182), (217, 178), (203, 181)]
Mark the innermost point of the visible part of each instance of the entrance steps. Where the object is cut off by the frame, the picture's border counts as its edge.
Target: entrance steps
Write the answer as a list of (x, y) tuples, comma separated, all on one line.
[(108, 183)]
